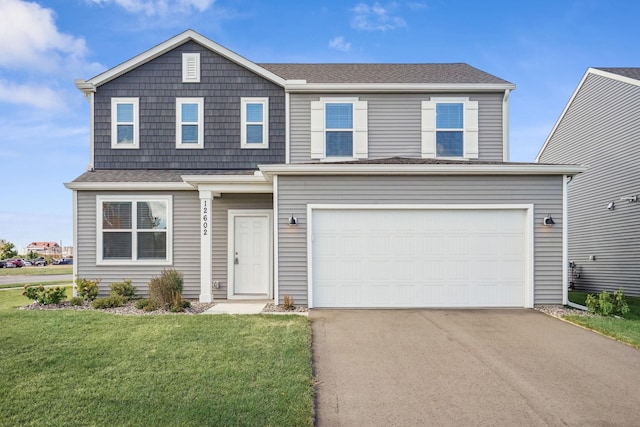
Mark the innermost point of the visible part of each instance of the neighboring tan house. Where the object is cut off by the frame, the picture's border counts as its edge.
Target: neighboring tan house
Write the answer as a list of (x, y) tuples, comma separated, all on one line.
[(600, 128), (340, 185), (44, 248)]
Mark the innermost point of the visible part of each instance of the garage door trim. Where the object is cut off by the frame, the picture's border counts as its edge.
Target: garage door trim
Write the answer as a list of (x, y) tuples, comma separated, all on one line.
[(529, 232)]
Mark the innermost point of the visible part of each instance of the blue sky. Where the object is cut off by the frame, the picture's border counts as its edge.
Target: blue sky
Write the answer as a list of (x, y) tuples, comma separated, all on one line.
[(542, 46)]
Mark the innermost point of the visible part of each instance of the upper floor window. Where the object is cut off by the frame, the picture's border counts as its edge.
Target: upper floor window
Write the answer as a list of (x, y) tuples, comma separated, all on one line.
[(450, 128), (189, 123), (254, 132), (190, 67), (124, 123), (134, 229), (339, 128)]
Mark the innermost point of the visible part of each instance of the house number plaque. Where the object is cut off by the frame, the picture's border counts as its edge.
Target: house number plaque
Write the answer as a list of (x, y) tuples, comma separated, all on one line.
[(205, 218)]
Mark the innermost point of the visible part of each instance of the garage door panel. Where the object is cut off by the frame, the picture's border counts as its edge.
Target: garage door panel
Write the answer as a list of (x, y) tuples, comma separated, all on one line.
[(418, 258)]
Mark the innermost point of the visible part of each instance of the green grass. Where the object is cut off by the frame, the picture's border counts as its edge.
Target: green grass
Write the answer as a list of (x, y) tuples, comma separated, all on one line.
[(91, 368), (626, 329), (33, 271), (48, 283)]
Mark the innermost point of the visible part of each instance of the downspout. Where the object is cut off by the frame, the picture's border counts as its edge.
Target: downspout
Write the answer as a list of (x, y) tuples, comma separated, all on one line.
[(505, 125), (565, 244)]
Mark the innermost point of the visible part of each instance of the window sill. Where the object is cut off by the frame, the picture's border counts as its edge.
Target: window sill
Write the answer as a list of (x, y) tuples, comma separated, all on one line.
[(253, 147), (338, 159)]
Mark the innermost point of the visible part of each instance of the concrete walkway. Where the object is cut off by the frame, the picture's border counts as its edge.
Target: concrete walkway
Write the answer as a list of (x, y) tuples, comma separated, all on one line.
[(469, 368), (237, 307)]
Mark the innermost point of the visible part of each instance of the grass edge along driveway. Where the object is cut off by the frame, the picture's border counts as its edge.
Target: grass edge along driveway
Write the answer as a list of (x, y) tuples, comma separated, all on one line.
[(90, 368)]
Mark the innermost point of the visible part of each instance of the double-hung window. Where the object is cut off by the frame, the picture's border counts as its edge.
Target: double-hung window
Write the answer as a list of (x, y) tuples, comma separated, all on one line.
[(189, 123), (450, 128), (254, 132), (134, 229), (125, 123), (339, 128)]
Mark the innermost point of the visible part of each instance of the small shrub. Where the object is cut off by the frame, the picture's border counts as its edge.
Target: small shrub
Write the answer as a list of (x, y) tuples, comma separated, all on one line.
[(288, 303), (123, 289), (76, 301), (165, 291), (44, 295), (141, 304), (186, 303), (604, 305), (108, 302), (87, 288)]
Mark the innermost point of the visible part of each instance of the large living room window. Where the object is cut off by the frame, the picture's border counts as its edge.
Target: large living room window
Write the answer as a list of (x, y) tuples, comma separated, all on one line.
[(124, 123), (134, 229)]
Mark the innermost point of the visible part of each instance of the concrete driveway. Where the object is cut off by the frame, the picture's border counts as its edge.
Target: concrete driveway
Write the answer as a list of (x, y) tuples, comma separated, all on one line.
[(469, 368)]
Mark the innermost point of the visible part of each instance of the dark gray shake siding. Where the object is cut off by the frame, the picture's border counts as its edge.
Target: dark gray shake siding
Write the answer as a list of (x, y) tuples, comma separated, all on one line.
[(395, 124), (157, 84), (545, 192), (186, 240), (601, 130)]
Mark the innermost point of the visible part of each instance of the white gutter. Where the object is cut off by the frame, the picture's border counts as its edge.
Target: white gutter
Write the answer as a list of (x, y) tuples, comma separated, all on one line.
[(396, 87), (419, 169), (127, 186), (505, 125)]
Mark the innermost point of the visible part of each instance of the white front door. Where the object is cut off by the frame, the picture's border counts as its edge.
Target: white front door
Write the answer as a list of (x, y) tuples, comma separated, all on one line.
[(250, 255)]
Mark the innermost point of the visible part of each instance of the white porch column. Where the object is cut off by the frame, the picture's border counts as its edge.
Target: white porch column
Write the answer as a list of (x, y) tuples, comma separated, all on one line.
[(206, 248)]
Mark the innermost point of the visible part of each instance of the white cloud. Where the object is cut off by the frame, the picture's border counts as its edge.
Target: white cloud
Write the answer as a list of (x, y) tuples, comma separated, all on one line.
[(340, 44), (159, 7), (376, 18), (34, 95)]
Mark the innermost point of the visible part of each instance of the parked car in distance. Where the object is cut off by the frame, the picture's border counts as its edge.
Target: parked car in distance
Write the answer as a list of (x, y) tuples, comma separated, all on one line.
[(26, 263), (39, 262), (64, 261), (3, 263), (14, 263)]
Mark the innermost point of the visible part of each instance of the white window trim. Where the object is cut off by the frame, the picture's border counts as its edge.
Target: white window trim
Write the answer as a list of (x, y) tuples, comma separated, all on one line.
[(469, 131), (136, 123), (179, 123), (168, 199), (359, 128), (265, 122), (193, 58)]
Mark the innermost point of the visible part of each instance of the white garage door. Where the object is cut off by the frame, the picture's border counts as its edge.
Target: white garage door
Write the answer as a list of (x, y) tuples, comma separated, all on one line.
[(419, 257)]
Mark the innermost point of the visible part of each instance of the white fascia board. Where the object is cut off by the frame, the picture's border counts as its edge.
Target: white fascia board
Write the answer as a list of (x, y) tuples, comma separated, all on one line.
[(428, 169), (85, 87), (174, 42), (128, 186), (395, 87), (229, 183)]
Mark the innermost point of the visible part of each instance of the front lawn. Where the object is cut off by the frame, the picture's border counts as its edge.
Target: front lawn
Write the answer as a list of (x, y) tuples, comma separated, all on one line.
[(92, 368), (626, 329), (36, 271)]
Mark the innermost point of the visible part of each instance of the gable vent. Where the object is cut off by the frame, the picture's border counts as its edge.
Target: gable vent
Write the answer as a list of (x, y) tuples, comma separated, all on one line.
[(190, 67)]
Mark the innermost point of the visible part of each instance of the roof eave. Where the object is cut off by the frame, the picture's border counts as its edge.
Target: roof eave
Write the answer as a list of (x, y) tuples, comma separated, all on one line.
[(174, 42), (298, 87), (132, 186)]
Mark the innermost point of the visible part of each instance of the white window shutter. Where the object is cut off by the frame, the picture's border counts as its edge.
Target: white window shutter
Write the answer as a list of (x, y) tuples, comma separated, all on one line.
[(428, 130), (190, 67), (471, 129), (317, 130), (360, 130)]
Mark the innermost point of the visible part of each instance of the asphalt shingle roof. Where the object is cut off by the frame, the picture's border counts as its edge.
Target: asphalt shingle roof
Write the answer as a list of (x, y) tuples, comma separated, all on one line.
[(149, 175), (456, 73), (633, 73)]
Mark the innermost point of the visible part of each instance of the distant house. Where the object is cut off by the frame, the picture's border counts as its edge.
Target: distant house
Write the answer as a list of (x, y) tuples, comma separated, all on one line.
[(44, 248), (339, 185), (600, 128)]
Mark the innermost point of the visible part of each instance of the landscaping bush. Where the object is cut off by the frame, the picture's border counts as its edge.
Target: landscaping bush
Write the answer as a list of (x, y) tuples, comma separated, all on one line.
[(604, 305), (124, 289), (44, 295), (87, 288), (108, 302), (165, 291), (142, 304), (76, 301)]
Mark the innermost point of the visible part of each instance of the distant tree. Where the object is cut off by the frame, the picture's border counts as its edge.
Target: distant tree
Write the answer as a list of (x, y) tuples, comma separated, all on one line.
[(32, 255), (8, 250)]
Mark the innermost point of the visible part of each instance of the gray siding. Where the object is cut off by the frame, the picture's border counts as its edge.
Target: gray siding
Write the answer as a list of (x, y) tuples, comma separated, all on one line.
[(186, 244), (394, 124), (601, 130), (157, 84), (186, 240), (545, 192)]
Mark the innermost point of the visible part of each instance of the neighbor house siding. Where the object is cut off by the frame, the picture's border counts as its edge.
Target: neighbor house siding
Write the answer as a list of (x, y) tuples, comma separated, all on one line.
[(394, 124), (545, 192), (601, 130), (157, 84), (186, 244)]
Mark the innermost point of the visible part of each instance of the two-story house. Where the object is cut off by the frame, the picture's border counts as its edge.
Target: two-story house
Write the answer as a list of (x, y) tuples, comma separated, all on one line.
[(340, 185), (599, 129)]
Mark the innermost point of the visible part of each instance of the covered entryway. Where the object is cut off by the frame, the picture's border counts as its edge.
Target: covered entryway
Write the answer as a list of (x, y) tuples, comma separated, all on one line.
[(420, 256)]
